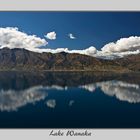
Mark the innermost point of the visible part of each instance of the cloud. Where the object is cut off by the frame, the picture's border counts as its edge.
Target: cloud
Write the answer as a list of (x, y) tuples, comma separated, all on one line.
[(91, 51), (51, 35), (71, 36), (122, 47), (13, 38)]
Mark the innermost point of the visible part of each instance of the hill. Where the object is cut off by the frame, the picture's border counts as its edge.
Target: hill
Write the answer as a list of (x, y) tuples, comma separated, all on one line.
[(21, 59)]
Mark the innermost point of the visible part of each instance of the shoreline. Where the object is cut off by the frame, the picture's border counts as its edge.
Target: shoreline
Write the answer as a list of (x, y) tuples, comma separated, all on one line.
[(94, 71)]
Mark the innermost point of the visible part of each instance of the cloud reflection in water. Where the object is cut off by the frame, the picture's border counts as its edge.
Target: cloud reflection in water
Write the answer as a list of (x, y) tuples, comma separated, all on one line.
[(121, 90), (12, 100)]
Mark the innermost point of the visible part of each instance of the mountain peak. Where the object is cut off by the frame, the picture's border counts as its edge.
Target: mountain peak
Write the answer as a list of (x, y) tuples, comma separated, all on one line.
[(22, 59)]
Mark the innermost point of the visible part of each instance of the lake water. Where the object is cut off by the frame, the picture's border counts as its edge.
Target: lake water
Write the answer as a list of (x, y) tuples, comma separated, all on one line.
[(69, 100)]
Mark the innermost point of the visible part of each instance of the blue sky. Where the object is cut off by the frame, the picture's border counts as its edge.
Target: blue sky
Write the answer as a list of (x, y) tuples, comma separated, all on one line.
[(89, 28)]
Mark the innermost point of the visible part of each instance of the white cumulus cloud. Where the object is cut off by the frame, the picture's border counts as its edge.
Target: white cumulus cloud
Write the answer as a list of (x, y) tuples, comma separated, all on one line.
[(118, 49), (91, 51), (51, 35), (13, 38), (71, 36), (122, 47)]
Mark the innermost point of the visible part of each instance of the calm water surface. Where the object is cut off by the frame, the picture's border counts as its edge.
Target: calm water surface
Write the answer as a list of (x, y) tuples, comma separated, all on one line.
[(69, 100)]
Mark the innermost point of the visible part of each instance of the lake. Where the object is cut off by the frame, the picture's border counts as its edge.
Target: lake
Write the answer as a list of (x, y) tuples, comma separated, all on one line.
[(69, 100)]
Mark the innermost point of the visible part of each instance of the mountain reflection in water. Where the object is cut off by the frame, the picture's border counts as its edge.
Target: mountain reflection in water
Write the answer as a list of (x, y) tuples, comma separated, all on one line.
[(19, 89)]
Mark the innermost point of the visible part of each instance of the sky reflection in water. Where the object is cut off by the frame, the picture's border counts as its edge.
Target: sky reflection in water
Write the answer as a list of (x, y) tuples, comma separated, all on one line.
[(21, 89), (69, 100)]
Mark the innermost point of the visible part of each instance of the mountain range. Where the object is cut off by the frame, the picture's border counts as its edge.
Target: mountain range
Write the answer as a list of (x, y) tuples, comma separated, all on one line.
[(22, 59)]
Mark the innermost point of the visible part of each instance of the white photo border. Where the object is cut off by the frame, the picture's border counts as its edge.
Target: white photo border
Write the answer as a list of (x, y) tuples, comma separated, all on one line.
[(69, 5)]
